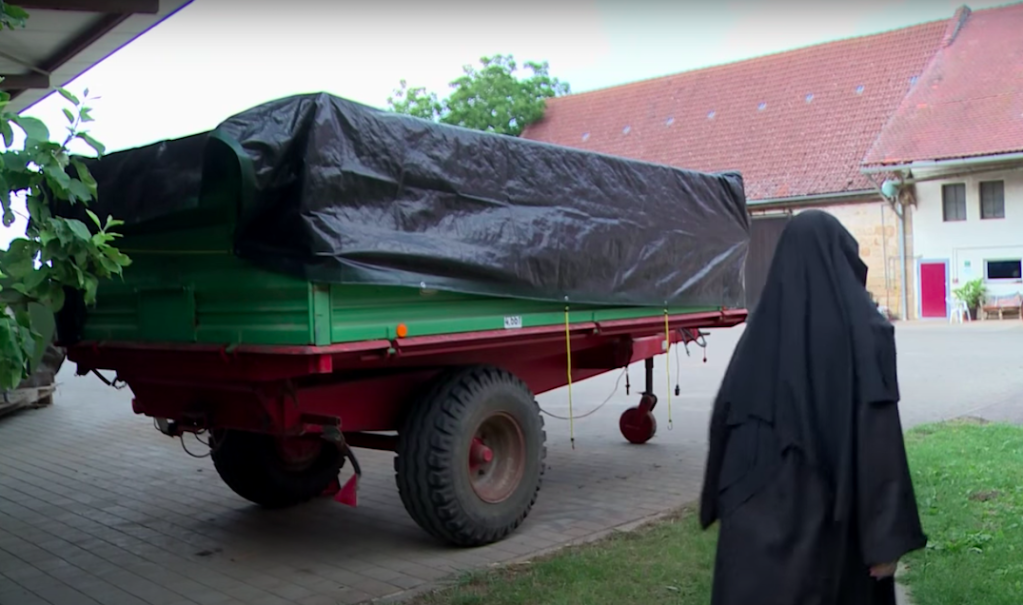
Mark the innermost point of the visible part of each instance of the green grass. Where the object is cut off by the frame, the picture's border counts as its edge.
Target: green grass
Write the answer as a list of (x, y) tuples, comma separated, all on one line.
[(969, 481), (666, 562)]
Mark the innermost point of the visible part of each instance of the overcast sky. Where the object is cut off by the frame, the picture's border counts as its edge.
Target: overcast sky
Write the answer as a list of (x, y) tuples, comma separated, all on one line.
[(218, 57)]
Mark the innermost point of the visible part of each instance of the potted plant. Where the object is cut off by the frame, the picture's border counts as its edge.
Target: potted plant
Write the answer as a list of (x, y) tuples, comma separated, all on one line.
[(971, 293)]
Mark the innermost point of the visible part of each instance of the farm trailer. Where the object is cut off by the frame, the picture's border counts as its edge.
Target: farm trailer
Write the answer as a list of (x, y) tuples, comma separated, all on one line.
[(315, 276)]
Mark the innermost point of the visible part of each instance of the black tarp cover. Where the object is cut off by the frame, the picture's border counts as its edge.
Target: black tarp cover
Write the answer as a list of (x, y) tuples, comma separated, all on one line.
[(332, 191)]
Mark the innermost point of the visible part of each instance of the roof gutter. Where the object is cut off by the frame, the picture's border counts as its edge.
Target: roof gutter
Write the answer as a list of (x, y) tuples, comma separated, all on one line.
[(972, 161), (902, 181), (803, 200)]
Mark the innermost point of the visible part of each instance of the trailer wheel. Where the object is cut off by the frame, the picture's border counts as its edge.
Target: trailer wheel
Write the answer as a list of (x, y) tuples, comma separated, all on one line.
[(272, 472), (471, 456)]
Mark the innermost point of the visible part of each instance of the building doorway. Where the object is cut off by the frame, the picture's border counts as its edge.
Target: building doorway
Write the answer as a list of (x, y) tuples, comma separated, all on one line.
[(764, 234), (933, 289)]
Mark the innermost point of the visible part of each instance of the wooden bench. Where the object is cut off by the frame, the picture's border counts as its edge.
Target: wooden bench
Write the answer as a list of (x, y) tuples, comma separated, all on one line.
[(1000, 305)]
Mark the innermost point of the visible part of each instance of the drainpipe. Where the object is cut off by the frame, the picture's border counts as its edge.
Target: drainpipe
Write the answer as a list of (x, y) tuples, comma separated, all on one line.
[(884, 254), (889, 192), (900, 212)]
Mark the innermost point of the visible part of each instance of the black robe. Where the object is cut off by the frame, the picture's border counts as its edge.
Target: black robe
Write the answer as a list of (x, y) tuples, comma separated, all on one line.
[(807, 469)]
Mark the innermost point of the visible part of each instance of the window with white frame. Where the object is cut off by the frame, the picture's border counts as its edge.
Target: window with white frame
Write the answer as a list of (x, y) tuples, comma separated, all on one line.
[(1003, 269), (992, 199), (953, 202)]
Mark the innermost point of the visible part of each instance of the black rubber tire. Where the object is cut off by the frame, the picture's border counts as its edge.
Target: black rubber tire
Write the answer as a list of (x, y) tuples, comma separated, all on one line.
[(250, 465), (431, 468)]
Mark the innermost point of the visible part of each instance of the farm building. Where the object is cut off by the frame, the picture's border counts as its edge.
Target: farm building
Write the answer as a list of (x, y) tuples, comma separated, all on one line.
[(825, 126)]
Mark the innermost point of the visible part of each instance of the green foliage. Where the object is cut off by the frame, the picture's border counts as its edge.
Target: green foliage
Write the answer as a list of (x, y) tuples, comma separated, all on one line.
[(416, 102), (972, 292), (12, 17), (670, 561), (968, 477), (55, 252), (491, 98)]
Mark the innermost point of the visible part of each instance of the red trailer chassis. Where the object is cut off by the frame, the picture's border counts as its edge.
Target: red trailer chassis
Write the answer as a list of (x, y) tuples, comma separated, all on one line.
[(295, 411)]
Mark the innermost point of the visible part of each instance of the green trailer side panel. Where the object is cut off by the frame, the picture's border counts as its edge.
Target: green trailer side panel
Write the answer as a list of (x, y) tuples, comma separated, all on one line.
[(211, 298), (186, 287), (364, 313)]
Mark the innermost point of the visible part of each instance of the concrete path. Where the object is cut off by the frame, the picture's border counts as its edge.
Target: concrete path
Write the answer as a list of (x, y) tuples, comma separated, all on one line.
[(96, 507)]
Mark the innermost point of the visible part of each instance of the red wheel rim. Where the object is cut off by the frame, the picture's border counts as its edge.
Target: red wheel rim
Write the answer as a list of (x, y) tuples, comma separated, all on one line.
[(497, 458)]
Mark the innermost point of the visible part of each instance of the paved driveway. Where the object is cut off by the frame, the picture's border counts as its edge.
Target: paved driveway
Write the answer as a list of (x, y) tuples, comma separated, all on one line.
[(97, 507)]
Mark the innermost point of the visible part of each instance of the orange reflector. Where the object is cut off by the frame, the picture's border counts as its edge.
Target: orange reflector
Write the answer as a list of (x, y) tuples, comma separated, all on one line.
[(402, 330)]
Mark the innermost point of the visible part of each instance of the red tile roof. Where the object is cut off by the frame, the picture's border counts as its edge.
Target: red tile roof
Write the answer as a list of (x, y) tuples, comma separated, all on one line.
[(969, 100), (796, 123)]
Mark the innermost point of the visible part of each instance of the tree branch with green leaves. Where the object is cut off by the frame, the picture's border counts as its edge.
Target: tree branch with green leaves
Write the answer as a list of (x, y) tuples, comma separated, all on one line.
[(55, 252), (11, 16), (491, 98)]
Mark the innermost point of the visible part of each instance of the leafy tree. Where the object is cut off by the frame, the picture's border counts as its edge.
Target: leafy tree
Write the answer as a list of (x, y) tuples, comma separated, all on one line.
[(11, 16), (491, 98), (54, 253)]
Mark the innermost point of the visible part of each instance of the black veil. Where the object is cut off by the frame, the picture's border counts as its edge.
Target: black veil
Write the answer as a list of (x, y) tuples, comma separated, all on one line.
[(814, 349)]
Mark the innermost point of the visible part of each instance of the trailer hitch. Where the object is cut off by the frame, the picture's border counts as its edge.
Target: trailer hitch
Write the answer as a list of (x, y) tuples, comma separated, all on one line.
[(346, 494), (116, 383)]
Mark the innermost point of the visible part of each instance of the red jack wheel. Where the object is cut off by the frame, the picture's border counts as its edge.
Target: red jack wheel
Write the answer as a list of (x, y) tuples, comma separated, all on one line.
[(637, 425)]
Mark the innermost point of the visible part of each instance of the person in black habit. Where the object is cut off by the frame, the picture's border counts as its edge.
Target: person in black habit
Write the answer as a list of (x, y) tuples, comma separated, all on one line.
[(807, 472)]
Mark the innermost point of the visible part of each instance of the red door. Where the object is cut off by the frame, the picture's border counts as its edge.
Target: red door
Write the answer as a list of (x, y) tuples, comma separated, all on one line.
[(933, 284)]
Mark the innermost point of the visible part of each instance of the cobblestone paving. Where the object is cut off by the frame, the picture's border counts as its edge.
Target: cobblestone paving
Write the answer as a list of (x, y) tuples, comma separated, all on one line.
[(96, 507)]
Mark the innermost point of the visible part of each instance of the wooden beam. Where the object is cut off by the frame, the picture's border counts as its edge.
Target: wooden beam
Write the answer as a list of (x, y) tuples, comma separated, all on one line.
[(110, 7), (75, 46), (104, 25), (25, 82)]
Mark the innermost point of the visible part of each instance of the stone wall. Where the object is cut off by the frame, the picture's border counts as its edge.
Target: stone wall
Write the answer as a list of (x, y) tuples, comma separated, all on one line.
[(875, 226)]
